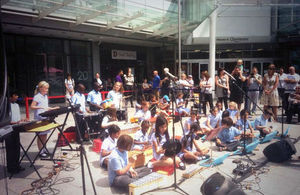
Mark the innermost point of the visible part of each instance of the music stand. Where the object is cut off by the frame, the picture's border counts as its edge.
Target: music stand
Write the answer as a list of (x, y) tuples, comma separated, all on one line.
[(83, 156)]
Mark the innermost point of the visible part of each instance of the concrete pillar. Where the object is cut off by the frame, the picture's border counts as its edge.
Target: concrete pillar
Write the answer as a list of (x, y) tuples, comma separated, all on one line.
[(96, 58), (212, 45)]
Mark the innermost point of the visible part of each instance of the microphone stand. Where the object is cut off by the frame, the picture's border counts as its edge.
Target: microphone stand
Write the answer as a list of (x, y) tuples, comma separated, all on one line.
[(244, 152), (174, 185), (82, 156)]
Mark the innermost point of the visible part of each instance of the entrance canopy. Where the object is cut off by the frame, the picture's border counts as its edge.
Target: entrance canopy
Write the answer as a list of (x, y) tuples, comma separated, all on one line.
[(141, 19)]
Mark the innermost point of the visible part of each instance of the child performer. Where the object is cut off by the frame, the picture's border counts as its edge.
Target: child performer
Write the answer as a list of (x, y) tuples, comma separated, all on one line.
[(212, 120), (116, 95), (240, 124), (40, 105), (164, 104), (180, 105), (153, 104), (109, 144), (141, 138), (189, 121), (158, 139), (144, 113), (120, 171), (227, 138), (233, 111), (110, 118), (191, 151), (94, 97), (261, 123)]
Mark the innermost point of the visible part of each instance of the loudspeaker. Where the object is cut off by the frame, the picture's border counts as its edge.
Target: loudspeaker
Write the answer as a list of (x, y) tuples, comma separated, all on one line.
[(280, 151), (217, 184)]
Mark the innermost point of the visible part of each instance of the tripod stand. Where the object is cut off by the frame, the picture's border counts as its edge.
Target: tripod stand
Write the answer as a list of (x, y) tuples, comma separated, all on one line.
[(82, 157), (174, 185)]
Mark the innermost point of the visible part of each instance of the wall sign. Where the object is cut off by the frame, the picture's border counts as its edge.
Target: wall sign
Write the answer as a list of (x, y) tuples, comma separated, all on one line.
[(123, 55)]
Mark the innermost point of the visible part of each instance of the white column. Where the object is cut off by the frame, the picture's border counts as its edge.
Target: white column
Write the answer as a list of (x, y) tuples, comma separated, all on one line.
[(212, 45), (179, 38)]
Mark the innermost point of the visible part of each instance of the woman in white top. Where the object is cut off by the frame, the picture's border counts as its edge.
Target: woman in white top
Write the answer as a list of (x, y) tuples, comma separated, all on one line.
[(270, 96), (39, 105), (207, 84), (116, 95), (70, 86)]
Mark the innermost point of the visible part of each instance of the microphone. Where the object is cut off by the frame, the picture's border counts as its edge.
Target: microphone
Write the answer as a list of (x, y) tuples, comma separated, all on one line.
[(229, 75), (166, 70)]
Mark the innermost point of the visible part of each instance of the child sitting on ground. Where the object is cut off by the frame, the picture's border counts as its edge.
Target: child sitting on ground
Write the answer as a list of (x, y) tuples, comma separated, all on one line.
[(141, 137), (191, 151), (187, 124), (158, 139), (120, 171), (212, 121), (261, 123), (233, 112), (109, 144), (153, 104), (240, 124), (228, 137)]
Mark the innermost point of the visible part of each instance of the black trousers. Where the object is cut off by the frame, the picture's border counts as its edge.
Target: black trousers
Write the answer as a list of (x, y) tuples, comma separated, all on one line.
[(207, 98), (123, 180), (293, 109), (12, 144), (82, 126), (129, 88)]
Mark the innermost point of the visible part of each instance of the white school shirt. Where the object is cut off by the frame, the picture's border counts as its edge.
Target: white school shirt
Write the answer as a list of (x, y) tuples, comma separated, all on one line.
[(160, 144), (142, 115), (15, 112), (186, 123), (99, 81), (94, 97), (116, 98), (79, 98), (139, 136), (41, 101), (108, 144)]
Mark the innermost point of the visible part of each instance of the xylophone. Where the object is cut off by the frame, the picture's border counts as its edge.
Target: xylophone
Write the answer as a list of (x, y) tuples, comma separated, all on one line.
[(149, 182), (142, 157), (192, 170), (128, 128)]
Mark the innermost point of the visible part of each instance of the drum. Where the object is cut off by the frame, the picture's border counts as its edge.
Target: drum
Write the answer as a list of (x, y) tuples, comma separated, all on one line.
[(106, 103), (93, 121)]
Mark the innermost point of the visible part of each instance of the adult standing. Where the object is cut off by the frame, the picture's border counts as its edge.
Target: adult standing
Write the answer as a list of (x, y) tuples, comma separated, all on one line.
[(129, 86), (270, 95), (191, 82), (254, 81), (98, 80), (155, 83), (70, 86), (290, 83), (236, 95), (184, 85), (207, 83), (164, 86), (281, 84), (119, 77), (222, 87)]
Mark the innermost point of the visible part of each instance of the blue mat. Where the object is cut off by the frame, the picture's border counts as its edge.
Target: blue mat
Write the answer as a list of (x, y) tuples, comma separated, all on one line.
[(214, 162)]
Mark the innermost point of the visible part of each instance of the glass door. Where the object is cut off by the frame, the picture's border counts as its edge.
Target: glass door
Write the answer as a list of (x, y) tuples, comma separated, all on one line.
[(261, 65)]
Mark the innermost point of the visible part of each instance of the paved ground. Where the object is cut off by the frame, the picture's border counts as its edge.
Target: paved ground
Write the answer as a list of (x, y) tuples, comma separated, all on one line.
[(270, 179)]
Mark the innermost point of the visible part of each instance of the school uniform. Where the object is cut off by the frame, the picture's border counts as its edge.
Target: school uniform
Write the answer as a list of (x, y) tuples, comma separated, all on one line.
[(94, 97), (116, 98), (142, 115), (109, 144), (41, 101), (79, 98), (163, 140), (141, 137), (117, 161)]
